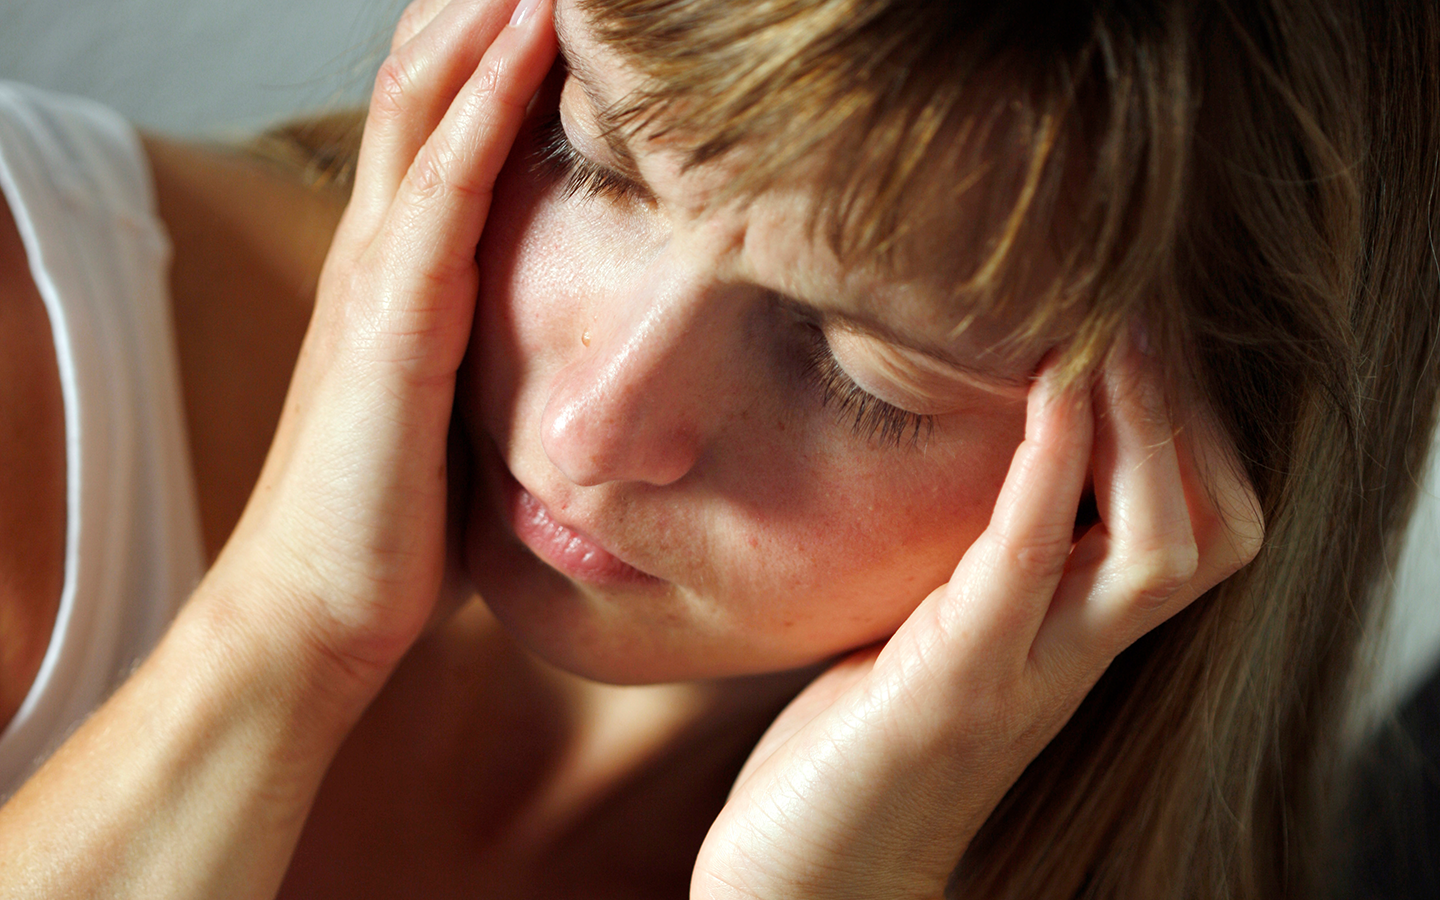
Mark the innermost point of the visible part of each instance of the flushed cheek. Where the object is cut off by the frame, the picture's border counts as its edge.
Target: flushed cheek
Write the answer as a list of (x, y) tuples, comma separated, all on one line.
[(867, 541)]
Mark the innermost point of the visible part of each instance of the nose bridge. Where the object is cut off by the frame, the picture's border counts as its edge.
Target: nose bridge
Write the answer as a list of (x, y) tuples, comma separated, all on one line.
[(640, 400)]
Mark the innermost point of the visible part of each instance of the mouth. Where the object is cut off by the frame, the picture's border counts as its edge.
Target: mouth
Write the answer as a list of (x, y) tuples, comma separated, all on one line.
[(563, 547)]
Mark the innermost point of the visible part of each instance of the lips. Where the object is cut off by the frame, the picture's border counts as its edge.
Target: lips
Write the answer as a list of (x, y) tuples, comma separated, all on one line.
[(564, 547)]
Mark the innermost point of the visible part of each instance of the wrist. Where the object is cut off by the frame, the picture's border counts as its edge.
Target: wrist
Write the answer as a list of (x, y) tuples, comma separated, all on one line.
[(196, 778), (260, 650)]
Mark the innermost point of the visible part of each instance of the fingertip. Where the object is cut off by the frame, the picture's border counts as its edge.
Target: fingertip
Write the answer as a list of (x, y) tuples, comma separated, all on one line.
[(1058, 401)]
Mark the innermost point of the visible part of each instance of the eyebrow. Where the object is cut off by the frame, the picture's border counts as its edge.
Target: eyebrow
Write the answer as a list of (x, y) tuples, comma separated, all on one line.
[(611, 130)]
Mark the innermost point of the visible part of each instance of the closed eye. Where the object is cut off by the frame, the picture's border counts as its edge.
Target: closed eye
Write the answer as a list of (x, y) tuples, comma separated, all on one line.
[(869, 418), (556, 157)]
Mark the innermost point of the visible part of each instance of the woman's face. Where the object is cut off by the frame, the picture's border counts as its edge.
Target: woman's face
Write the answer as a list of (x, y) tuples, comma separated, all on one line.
[(704, 446)]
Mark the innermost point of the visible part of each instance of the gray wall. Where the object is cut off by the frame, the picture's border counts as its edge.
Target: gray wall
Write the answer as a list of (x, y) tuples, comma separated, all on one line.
[(222, 67), (198, 66)]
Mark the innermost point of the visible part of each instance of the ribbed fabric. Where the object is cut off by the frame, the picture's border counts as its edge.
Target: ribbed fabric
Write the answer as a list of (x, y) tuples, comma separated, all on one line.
[(79, 186)]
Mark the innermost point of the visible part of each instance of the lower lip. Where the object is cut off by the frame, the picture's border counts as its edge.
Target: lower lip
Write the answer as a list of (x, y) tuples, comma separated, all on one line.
[(567, 550)]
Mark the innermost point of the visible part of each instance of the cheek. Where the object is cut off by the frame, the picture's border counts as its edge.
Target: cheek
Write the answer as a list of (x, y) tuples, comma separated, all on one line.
[(840, 548)]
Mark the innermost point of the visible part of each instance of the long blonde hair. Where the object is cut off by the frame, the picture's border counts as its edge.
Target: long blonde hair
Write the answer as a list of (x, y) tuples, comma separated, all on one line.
[(1256, 178)]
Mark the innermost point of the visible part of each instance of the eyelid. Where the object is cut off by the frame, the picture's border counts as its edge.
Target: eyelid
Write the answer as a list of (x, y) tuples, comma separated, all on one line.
[(939, 373), (890, 374), (557, 155), (604, 154), (831, 322), (868, 417), (947, 387)]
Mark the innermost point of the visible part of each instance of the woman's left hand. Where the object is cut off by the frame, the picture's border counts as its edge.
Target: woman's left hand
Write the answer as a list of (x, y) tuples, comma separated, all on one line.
[(874, 780)]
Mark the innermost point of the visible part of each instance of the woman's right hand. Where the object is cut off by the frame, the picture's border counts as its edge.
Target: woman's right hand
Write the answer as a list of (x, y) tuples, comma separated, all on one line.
[(343, 542), (195, 778)]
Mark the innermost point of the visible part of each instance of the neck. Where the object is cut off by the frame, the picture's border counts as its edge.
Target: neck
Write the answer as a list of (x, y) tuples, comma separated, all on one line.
[(651, 753), (474, 736)]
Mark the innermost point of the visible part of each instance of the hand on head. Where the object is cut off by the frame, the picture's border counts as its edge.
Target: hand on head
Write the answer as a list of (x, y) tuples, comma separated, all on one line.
[(875, 778), (348, 521)]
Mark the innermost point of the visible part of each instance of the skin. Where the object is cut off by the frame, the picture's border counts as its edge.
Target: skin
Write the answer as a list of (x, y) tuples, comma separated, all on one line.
[(656, 399), (248, 242), (311, 679)]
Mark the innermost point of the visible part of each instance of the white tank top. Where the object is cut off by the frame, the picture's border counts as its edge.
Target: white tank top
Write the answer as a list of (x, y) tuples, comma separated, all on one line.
[(78, 184)]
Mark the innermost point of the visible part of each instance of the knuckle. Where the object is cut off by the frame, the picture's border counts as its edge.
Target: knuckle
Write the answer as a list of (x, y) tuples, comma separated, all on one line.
[(488, 88), (1037, 555), (496, 85), (429, 176), (1158, 573), (1231, 529), (1245, 534), (394, 82), (437, 176)]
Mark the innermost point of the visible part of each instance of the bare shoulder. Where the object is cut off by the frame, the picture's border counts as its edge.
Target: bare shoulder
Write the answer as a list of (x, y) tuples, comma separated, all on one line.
[(221, 203), (32, 474), (249, 239)]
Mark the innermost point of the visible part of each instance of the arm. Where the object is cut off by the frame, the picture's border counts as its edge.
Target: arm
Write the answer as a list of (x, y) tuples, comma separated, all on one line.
[(194, 780)]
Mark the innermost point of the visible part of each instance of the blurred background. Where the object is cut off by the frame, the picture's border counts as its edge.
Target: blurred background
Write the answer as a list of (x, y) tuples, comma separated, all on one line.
[(221, 68), (203, 67)]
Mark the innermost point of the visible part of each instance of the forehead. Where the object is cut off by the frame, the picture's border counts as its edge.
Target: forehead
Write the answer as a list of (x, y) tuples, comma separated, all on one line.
[(908, 289)]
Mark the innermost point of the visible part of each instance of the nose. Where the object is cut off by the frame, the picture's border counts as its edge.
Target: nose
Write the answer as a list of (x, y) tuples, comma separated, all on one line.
[(640, 402)]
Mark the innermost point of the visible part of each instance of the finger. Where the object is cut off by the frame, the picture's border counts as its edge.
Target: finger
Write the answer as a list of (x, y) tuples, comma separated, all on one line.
[(441, 203), (414, 19), (431, 230), (1143, 549), (413, 90), (1161, 540), (1229, 527), (1003, 585)]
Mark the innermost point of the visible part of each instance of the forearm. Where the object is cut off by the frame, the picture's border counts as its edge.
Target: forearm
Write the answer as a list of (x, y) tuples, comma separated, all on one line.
[(194, 780)]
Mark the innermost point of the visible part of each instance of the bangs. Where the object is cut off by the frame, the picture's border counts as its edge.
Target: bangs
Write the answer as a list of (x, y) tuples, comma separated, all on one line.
[(1042, 142)]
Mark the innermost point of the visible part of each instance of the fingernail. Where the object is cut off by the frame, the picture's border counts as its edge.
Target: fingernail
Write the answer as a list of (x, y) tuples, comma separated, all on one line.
[(523, 12)]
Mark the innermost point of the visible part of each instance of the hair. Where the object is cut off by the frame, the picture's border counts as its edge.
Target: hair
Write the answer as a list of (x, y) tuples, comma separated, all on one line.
[(1256, 180)]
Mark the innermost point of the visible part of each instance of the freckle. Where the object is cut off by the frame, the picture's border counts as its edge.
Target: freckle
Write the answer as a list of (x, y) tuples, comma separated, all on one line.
[(585, 337)]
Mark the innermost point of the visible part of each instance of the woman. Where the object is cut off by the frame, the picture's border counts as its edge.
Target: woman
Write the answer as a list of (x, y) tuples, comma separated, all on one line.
[(769, 333)]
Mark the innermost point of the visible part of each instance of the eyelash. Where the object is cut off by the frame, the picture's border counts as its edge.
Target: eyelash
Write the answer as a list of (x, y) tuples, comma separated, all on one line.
[(558, 158), (869, 417)]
